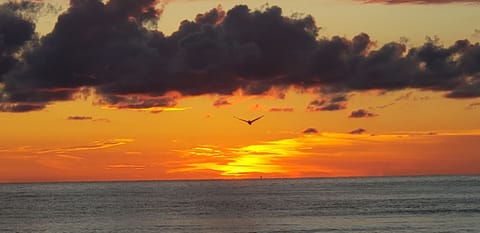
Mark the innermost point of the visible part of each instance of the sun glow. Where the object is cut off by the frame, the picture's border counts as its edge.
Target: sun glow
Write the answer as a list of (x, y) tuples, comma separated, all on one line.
[(261, 158), (323, 154)]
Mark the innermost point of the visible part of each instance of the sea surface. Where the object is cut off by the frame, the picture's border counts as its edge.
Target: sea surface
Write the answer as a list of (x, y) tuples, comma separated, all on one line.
[(387, 204)]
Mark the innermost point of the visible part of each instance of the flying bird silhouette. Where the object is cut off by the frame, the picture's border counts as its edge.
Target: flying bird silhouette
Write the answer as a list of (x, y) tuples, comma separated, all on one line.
[(249, 121)]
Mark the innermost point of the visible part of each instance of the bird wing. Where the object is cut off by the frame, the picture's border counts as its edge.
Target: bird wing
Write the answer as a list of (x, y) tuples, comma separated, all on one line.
[(258, 118), (240, 119)]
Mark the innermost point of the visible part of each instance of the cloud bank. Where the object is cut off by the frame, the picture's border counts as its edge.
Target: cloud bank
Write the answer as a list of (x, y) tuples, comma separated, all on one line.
[(114, 49)]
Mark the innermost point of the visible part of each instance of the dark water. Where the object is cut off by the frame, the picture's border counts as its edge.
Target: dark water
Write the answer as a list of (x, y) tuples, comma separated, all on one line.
[(401, 204)]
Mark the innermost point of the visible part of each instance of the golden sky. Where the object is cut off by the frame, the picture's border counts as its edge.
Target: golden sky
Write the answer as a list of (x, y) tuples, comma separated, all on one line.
[(131, 129)]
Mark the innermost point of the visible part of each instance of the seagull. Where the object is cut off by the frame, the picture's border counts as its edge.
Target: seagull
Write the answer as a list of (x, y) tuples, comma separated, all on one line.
[(249, 121)]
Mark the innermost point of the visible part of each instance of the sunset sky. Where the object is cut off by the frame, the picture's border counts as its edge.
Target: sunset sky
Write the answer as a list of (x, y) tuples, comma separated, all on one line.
[(148, 90)]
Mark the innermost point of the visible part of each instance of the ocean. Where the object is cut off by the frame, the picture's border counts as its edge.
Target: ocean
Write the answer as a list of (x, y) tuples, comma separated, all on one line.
[(382, 204)]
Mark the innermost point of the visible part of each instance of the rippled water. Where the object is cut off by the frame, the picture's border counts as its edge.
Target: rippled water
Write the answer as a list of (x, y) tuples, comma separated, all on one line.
[(400, 204)]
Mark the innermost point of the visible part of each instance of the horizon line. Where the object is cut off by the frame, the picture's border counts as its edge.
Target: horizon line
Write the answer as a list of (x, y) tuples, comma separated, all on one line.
[(237, 179)]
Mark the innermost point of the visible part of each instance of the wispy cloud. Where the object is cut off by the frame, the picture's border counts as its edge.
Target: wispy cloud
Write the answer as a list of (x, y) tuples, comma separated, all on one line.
[(281, 109), (16, 149), (206, 150), (473, 106), (409, 96), (97, 145), (94, 146), (126, 166)]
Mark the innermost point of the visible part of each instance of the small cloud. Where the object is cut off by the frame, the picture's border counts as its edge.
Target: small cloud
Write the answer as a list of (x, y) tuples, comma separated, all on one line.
[(310, 131), (361, 113), (105, 120), (162, 109), (358, 131), (476, 33), (473, 106), (221, 102), (333, 107), (281, 109), (87, 118), (79, 118), (335, 103)]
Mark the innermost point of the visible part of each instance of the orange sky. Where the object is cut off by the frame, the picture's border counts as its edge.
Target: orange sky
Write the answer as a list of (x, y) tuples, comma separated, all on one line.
[(401, 132), (205, 142)]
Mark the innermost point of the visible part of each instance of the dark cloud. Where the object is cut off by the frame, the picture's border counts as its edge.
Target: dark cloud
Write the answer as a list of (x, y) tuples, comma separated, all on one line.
[(468, 89), (358, 131), (318, 102), (310, 131), (361, 113), (111, 47), (336, 102), (281, 109), (15, 31), (316, 105), (332, 107), (15, 107), (419, 1), (138, 102)]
